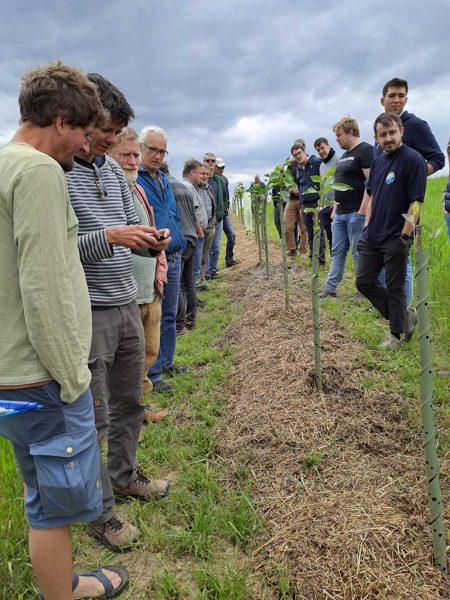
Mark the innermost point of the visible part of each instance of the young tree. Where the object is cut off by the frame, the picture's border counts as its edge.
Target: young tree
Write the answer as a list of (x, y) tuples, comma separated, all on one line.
[(322, 184), (282, 179)]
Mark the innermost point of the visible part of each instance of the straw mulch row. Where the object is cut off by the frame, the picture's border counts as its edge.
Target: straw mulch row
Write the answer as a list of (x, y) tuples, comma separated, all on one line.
[(339, 478)]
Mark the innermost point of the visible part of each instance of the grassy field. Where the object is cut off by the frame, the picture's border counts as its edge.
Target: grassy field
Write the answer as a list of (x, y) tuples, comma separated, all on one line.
[(187, 535)]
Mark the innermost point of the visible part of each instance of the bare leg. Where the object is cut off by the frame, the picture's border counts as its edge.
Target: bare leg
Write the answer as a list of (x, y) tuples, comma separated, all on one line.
[(51, 557)]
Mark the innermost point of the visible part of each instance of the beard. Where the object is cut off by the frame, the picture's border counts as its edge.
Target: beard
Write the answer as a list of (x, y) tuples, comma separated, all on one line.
[(131, 176)]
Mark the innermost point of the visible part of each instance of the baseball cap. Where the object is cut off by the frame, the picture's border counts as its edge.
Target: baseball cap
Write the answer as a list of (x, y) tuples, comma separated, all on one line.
[(219, 162)]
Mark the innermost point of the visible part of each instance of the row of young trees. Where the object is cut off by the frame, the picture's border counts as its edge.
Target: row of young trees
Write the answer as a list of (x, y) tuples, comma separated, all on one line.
[(281, 178)]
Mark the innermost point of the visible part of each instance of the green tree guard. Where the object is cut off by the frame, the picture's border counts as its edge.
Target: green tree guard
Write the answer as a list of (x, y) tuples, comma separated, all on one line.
[(428, 426)]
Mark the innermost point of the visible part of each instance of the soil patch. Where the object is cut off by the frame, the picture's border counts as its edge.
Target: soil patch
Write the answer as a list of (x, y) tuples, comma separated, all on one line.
[(339, 477)]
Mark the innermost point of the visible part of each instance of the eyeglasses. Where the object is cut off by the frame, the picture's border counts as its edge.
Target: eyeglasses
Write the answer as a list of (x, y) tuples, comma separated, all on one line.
[(210, 160), (88, 135), (155, 151), (99, 183)]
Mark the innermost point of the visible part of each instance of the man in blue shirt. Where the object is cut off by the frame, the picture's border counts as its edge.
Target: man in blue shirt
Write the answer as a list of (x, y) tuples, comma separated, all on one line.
[(153, 141), (417, 135), (397, 180)]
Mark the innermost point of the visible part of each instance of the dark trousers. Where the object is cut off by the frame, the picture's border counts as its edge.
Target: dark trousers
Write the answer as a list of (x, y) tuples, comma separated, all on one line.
[(309, 222), (231, 238), (116, 362), (187, 300), (276, 215), (389, 300), (325, 223)]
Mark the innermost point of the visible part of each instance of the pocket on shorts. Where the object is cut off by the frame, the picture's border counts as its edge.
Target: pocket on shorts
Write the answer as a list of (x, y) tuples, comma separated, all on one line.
[(68, 473)]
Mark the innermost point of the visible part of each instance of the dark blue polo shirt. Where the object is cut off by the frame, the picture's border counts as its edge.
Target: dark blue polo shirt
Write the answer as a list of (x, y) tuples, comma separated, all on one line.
[(394, 182)]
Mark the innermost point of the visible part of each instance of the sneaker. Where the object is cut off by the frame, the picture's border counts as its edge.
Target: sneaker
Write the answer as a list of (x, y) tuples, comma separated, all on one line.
[(161, 387), (142, 488), (176, 369), (232, 263), (411, 320), (327, 294), (391, 342), (153, 416), (115, 534)]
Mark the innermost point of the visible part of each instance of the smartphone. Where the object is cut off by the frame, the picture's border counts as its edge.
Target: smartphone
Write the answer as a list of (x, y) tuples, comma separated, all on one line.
[(162, 237)]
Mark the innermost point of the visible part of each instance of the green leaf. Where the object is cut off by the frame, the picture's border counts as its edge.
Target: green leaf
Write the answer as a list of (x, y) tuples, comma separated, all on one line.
[(316, 178), (285, 195), (341, 187), (310, 210), (409, 218)]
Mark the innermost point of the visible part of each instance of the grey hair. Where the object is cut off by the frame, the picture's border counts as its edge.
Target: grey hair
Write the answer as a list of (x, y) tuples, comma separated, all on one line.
[(127, 133), (151, 129)]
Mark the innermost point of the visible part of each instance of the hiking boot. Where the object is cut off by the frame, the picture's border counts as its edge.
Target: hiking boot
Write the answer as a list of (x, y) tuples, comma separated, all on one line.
[(411, 320), (142, 488), (153, 416), (201, 287), (161, 387), (115, 534), (327, 294), (391, 342)]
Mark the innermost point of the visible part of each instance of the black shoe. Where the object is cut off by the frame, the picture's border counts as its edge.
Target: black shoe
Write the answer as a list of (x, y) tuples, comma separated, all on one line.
[(327, 294), (176, 369), (201, 303), (201, 287), (214, 275), (233, 262), (161, 387)]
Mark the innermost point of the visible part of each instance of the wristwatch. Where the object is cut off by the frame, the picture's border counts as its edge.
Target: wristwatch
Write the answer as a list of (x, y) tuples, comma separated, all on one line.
[(404, 237)]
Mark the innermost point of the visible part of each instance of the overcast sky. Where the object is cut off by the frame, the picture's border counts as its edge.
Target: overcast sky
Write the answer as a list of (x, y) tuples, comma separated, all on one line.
[(242, 78)]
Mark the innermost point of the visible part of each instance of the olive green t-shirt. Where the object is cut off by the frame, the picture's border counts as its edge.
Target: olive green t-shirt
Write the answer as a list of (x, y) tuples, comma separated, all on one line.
[(45, 316)]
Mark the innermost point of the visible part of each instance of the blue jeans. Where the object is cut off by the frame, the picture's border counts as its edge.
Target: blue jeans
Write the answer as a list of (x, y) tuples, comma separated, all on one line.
[(346, 232), (447, 220), (231, 238), (198, 258), (215, 250), (409, 282), (168, 320)]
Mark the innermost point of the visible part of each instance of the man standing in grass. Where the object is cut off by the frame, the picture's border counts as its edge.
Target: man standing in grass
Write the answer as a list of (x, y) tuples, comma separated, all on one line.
[(153, 141), (352, 169), (109, 229), (397, 180), (46, 327), (417, 135)]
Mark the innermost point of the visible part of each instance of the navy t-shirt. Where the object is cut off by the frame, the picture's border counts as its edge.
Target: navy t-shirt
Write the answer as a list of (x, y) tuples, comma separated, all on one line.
[(349, 170), (395, 180)]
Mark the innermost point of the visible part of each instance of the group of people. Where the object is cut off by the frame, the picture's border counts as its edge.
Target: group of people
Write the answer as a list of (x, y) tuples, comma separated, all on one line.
[(382, 182), (104, 253)]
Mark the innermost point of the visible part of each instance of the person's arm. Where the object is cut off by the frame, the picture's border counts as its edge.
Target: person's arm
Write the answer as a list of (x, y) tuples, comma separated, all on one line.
[(368, 208), (425, 143), (364, 204), (42, 220)]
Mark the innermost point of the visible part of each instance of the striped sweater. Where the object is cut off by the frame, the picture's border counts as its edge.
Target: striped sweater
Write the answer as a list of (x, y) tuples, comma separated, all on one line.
[(101, 199)]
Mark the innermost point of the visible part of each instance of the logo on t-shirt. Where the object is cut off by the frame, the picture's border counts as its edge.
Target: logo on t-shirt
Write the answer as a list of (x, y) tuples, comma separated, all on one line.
[(390, 177)]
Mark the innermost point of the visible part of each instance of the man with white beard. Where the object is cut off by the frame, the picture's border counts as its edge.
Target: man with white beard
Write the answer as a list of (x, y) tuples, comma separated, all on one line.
[(150, 272)]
